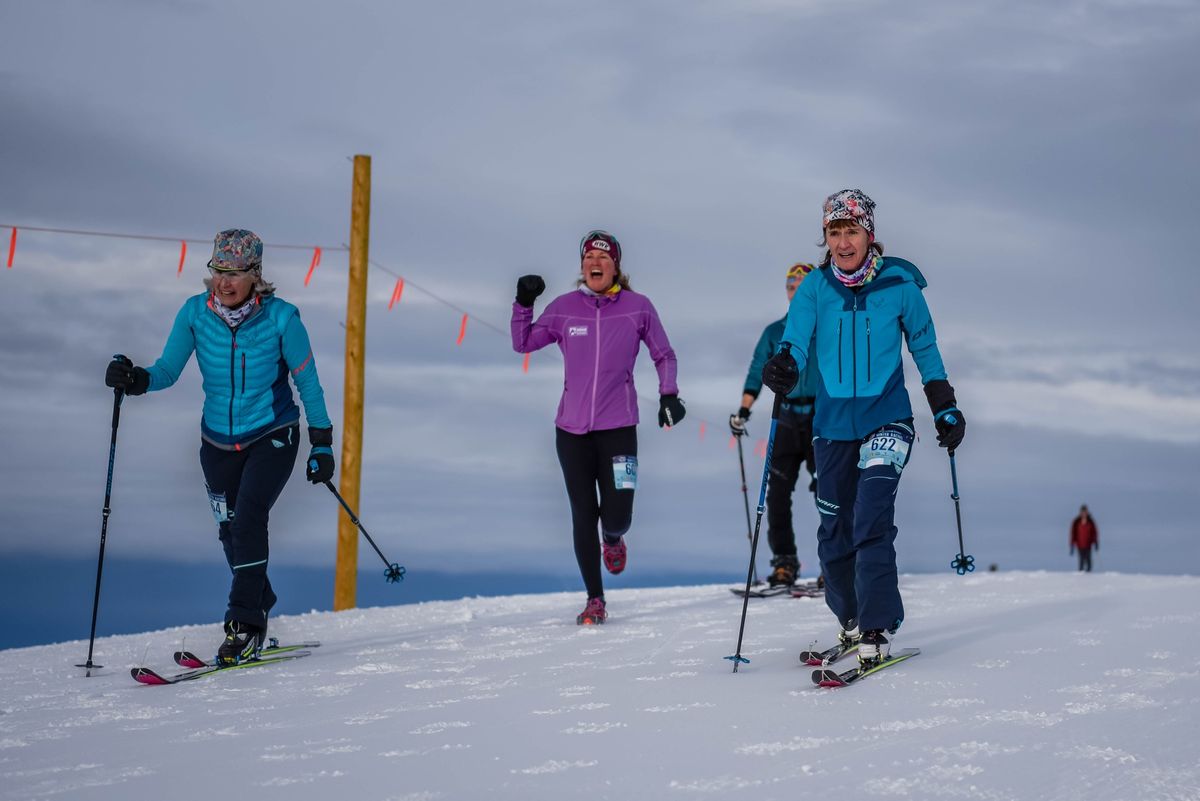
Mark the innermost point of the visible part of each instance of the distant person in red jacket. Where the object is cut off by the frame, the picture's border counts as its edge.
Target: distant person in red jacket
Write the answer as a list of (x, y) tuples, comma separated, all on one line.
[(1084, 537)]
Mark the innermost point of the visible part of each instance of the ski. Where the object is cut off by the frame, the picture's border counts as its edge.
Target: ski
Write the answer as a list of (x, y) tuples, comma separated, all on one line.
[(831, 678), (188, 659), (771, 592), (829, 655), (144, 675), (808, 592)]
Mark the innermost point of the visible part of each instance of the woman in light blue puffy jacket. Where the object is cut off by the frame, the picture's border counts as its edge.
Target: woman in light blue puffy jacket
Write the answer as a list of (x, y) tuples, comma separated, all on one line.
[(247, 343)]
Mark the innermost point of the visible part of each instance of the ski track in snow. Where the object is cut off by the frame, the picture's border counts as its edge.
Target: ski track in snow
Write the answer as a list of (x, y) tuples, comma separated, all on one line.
[(1029, 685)]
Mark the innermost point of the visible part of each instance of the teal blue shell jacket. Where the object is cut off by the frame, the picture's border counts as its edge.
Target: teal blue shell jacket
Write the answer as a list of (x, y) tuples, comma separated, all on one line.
[(768, 344), (857, 346), (244, 370)]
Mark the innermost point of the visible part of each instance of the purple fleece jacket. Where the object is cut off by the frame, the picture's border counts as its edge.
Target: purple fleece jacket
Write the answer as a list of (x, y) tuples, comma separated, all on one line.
[(599, 337)]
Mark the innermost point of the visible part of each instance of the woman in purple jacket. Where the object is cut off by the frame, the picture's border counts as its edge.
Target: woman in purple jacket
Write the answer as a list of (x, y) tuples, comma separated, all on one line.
[(599, 328)]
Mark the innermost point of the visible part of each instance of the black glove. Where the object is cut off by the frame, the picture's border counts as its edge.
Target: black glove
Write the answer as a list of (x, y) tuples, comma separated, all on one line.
[(122, 375), (780, 373), (947, 419), (670, 410), (528, 289), (737, 422), (320, 458)]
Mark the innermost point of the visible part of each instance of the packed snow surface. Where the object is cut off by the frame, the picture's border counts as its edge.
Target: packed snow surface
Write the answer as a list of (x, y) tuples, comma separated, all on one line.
[(1028, 686)]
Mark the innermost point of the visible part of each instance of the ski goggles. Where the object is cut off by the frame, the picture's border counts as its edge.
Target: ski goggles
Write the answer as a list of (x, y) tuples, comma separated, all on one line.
[(600, 240)]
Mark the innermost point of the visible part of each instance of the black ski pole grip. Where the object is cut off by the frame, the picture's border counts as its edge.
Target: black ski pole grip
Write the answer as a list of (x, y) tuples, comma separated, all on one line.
[(777, 407)]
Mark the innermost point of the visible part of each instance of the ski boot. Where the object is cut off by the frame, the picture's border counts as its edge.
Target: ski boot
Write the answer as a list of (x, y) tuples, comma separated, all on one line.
[(849, 635), (784, 574), (243, 643), (873, 648)]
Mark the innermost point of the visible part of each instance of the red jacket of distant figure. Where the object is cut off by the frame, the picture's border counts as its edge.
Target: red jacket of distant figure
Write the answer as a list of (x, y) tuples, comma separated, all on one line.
[(1084, 533)]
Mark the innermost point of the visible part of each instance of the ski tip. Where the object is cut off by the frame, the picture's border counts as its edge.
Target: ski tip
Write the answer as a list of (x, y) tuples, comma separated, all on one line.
[(189, 660)]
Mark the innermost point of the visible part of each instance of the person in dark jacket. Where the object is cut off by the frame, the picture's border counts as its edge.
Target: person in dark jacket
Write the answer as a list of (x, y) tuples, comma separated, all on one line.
[(248, 342), (600, 328), (793, 441), (862, 308), (1084, 536)]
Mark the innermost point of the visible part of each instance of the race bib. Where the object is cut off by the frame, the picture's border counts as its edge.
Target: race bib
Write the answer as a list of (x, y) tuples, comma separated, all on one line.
[(219, 508), (625, 472), (886, 446)]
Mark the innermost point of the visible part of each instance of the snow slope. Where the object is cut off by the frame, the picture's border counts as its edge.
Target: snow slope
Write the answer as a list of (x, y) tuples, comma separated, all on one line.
[(1030, 685)]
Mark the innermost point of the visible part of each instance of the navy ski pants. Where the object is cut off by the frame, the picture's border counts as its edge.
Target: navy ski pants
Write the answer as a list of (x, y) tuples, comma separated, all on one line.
[(242, 487), (587, 464), (856, 539)]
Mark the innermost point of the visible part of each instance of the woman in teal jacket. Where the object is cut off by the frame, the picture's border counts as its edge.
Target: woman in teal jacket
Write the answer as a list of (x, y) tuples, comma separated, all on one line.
[(247, 343), (862, 306)]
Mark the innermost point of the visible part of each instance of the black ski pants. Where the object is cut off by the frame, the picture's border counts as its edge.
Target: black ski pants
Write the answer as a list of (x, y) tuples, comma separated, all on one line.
[(588, 466), (242, 487), (792, 448)]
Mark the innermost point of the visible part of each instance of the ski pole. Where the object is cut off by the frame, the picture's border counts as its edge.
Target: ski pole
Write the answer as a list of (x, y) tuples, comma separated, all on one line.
[(393, 572), (746, 498), (737, 658), (963, 563), (118, 396)]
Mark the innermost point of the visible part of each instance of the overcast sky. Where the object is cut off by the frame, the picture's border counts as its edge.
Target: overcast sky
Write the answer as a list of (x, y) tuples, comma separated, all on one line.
[(1037, 161)]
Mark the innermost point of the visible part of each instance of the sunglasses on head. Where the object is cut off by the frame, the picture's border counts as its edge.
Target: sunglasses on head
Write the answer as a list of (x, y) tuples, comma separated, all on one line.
[(218, 273)]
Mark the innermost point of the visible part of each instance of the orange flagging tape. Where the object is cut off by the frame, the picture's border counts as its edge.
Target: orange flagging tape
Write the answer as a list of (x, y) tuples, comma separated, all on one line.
[(760, 448), (703, 426), (12, 248), (182, 256), (396, 293), (732, 442), (312, 267), (462, 330), (525, 364)]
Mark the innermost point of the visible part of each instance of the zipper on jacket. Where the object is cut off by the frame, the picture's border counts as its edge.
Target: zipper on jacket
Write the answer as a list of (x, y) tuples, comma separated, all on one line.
[(868, 350), (854, 361), (244, 367), (596, 370), (232, 377), (840, 378)]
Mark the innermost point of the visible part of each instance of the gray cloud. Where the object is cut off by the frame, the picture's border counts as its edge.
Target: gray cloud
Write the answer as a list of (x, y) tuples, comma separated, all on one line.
[(1034, 161)]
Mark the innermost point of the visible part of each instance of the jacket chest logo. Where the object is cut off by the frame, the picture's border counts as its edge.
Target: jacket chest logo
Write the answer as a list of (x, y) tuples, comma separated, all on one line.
[(577, 331)]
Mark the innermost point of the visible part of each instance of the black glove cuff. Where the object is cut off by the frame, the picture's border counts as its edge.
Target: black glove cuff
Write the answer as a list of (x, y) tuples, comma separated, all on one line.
[(320, 436), (141, 382), (744, 412), (940, 395)]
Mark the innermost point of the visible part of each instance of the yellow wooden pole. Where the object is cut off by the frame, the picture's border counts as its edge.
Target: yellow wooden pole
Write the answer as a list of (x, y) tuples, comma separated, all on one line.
[(345, 580)]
